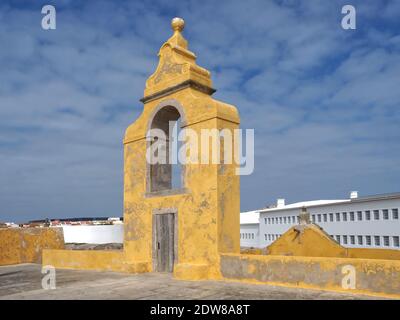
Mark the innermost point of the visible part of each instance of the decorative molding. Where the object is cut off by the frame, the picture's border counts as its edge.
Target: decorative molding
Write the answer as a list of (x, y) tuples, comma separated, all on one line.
[(185, 84)]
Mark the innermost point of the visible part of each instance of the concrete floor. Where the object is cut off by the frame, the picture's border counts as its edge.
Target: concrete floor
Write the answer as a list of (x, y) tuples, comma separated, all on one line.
[(24, 282)]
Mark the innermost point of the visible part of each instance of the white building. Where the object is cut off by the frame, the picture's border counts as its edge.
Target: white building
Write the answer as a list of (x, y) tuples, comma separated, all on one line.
[(358, 222), (249, 229), (94, 234)]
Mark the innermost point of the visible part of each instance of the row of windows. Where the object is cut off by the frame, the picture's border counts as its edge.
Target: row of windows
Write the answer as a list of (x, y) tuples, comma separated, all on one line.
[(282, 220), (271, 237), (357, 216), (384, 214), (247, 236), (377, 241)]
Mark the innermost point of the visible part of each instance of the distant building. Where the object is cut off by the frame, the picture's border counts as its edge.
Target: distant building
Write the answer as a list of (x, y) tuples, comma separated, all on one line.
[(93, 230), (249, 229), (358, 222)]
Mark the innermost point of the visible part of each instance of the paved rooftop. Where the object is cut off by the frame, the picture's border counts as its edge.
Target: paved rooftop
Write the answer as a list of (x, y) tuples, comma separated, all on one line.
[(24, 282)]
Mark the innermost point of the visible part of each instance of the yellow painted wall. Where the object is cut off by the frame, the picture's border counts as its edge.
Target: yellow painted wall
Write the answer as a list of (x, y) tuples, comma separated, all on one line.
[(99, 260), (208, 206), (314, 242), (25, 245), (373, 276)]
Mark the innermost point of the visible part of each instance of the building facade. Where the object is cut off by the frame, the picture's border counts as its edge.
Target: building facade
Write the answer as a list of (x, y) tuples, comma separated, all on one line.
[(249, 229), (358, 222)]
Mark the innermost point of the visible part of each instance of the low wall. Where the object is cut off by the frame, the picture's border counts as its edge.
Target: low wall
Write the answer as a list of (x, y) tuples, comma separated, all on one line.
[(94, 234), (25, 245), (98, 260), (372, 276), (303, 244)]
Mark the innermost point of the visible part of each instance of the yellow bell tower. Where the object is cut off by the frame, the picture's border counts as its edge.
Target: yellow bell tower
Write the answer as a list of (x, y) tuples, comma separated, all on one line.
[(181, 230)]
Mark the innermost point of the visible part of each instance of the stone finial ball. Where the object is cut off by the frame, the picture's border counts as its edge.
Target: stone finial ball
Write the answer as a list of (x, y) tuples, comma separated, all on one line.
[(177, 24)]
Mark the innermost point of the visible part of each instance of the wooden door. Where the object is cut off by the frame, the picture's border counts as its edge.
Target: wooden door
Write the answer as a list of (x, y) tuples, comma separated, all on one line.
[(164, 242)]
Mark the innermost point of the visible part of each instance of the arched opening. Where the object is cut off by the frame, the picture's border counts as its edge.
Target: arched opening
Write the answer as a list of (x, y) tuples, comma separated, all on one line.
[(166, 173)]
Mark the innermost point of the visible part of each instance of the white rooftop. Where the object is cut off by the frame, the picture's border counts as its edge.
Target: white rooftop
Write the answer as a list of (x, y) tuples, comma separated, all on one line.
[(250, 217), (298, 205)]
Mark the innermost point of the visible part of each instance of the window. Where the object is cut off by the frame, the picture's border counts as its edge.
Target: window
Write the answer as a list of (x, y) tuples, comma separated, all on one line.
[(294, 219), (313, 218), (368, 240), (284, 220), (338, 238), (377, 240), (276, 220), (265, 220), (331, 217), (385, 214), (280, 220), (325, 217), (386, 241), (265, 236), (367, 215), (319, 218), (395, 214), (352, 239), (345, 239), (352, 216), (337, 216), (376, 214), (298, 219), (344, 216), (396, 242), (165, 176), (360, 240), (359, 215)]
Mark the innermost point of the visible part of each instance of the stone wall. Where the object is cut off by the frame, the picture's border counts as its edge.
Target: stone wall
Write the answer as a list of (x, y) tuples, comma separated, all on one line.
[(25, 245), (372, 276), (99, 260)]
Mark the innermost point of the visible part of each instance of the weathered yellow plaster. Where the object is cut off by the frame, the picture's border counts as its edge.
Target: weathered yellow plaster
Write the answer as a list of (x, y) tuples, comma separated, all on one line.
[(207, 207), (312, 241), (25, 245)]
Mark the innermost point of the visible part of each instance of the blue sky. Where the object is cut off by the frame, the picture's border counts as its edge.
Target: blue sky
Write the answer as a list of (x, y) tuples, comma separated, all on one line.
[(324, 102)]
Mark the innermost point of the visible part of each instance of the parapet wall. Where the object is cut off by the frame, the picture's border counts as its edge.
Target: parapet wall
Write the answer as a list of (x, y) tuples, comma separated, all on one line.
[(372, 276), (99, 260), (312, 241), (25, 245)]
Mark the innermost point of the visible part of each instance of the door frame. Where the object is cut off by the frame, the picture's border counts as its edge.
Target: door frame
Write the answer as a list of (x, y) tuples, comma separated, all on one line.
[(156, 212)]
